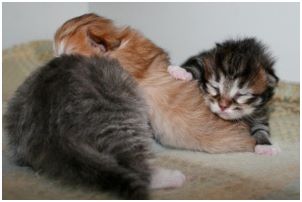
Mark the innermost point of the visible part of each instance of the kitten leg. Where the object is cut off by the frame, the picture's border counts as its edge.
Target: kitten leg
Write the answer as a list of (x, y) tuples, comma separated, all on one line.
[(268, 150), (165, 178), (260, 131), (264, 144), (179, 73), (262, 138)]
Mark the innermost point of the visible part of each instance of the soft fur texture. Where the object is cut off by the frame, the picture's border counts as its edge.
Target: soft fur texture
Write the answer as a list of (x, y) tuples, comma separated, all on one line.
[(237, 80), (180, 120), (83, 120)]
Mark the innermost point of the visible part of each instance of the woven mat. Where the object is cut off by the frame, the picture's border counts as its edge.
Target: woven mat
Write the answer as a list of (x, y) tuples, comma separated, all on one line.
[(223, 176)]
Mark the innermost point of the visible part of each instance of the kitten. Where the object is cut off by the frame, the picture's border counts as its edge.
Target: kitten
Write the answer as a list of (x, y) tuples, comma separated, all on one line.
[(237, 80), (176, 108), (84, 120)]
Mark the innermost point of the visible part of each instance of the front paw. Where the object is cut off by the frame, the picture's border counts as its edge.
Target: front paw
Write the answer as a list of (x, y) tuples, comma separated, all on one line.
[(267, 150), (179, 73)]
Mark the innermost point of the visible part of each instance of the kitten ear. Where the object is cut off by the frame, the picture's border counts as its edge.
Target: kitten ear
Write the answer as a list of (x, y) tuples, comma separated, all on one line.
[(194, 65), (209, 64), (272, 79), (218, 45), (104, 41), (208, 61)]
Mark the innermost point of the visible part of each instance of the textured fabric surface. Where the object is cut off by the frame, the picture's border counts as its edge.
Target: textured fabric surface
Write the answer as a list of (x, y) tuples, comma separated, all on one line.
[(18, 62), (223, 176)]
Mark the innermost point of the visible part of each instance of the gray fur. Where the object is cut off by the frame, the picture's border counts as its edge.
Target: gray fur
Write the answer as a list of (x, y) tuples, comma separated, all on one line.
[(83, 120)]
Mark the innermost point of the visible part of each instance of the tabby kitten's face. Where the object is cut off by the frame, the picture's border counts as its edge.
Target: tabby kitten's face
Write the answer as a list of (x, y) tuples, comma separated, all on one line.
[(238, 78), (232, 99)]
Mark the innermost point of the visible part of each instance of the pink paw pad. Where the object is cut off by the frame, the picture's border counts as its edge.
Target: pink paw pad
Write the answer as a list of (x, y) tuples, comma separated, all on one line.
[(267, 150), (179, 73)]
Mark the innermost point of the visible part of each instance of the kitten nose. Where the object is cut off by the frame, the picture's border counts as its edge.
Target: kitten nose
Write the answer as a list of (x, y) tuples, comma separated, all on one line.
[(223, 104)]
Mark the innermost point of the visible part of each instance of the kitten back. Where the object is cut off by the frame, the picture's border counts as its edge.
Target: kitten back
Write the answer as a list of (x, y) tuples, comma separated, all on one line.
[(83, 120)]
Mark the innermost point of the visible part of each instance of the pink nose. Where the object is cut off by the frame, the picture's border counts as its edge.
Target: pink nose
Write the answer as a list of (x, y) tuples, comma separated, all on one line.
[(223, 107), (224, 104)]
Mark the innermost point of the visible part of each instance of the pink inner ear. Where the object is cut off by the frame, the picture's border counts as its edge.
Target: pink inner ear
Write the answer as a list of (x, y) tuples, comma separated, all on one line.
[(102, 47), (272, 81), (97, 41), (99, 46)]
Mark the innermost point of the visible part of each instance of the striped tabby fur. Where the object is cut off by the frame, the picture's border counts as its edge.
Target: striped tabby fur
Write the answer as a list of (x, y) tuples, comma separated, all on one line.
[(237, 80), (83, 120)]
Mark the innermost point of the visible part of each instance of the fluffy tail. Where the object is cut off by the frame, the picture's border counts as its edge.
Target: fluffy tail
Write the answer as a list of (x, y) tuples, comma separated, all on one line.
[(124, 173), (88, 165), (110, 176)]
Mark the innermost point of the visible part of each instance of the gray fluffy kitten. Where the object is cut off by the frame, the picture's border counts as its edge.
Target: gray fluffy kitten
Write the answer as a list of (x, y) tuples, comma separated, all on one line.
[(83, 120)]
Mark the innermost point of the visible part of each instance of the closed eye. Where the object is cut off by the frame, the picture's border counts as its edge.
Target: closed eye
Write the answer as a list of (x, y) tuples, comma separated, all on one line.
[(215, 87), (243, 97), (212, 90), (237, 95), (255, 95)]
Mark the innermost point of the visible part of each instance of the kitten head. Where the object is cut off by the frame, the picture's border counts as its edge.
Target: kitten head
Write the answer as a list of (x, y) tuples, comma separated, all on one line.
[(237, 78), (91, 35), (88, 35)]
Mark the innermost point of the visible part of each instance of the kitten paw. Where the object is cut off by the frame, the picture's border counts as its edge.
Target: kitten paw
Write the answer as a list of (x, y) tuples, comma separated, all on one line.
[(164, 178), (179, 73), (267, 150)]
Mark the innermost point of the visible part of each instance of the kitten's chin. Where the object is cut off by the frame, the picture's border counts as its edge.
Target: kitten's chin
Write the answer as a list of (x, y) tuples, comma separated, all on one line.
[(224, 116), (229, 116)]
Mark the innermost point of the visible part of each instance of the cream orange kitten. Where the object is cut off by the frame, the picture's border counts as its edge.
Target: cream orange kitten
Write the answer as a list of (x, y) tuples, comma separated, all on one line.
[(179, 115)]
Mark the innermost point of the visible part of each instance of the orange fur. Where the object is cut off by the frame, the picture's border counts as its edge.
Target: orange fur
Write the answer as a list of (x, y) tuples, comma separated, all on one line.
[(178, 113)]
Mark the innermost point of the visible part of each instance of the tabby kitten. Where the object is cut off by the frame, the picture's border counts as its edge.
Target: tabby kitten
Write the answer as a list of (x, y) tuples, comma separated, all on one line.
[(237, 80), (83, 120)]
